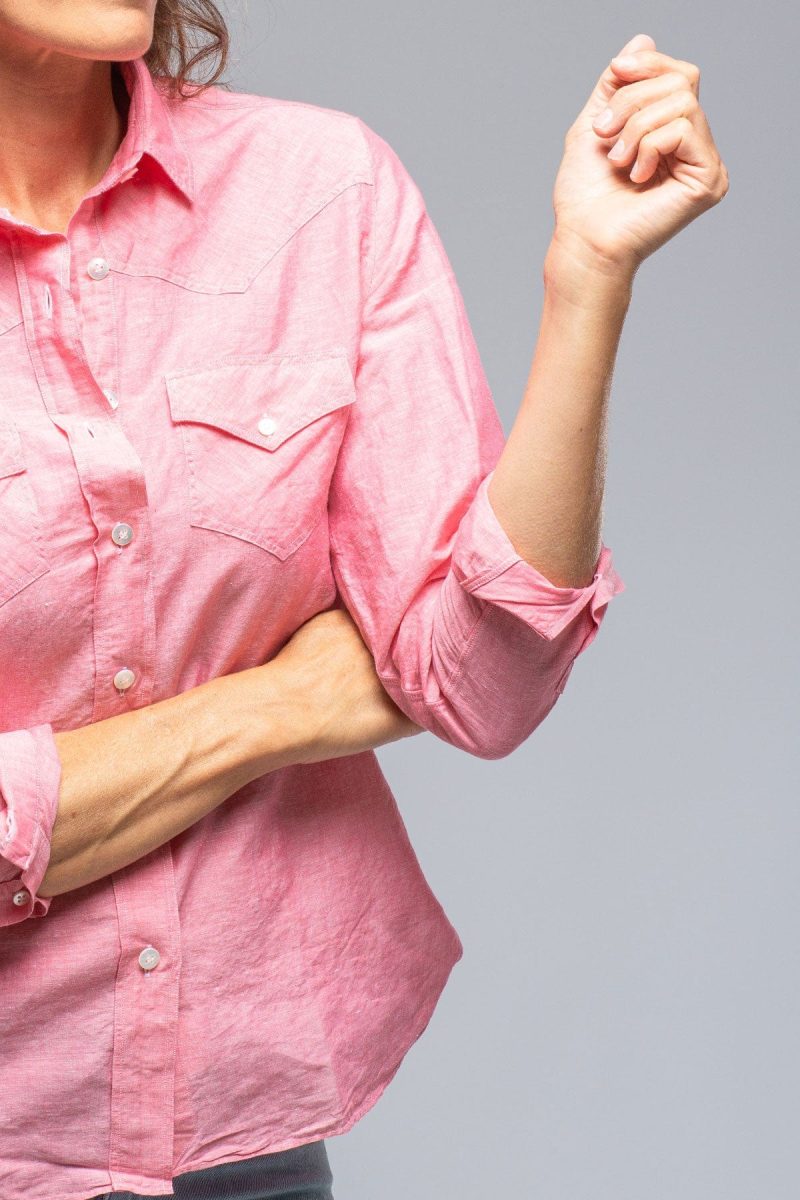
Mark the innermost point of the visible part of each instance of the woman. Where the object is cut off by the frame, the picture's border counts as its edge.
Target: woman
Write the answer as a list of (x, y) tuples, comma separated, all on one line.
[(259, 518)]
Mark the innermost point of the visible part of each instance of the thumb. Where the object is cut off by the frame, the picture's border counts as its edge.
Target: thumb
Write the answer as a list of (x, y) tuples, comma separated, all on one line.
[(640, 41), (609, 83)]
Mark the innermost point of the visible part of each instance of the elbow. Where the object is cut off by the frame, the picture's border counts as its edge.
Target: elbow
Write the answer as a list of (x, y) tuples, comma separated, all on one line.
[(505, 740), (488, 691), (491, 732)]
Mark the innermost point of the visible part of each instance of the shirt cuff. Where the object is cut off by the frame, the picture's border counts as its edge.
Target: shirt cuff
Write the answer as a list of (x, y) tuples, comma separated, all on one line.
[(30, 780), (487, 566)]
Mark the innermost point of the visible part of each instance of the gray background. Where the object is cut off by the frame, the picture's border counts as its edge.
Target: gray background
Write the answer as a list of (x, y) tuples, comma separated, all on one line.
[(624, 1022)]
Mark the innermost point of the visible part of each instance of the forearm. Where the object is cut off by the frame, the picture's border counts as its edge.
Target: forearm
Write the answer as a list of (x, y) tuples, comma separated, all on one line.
[(547, 487), (133, 781)]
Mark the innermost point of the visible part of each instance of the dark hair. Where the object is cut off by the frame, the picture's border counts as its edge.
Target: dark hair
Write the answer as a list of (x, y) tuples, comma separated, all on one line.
[(176, 25)]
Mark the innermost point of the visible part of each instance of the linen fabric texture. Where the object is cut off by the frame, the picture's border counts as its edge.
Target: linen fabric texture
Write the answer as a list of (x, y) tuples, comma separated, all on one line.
[(241, 389)]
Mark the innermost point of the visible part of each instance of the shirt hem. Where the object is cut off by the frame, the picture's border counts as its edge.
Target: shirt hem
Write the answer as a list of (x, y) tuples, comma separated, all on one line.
[(336, 1129)]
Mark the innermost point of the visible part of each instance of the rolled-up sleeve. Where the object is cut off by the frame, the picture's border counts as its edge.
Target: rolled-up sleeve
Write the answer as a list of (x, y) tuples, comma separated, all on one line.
[(30, 780), (470, 640)]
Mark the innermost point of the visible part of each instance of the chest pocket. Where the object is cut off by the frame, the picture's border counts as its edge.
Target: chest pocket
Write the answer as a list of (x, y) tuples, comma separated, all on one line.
[(260, 436), (21, 556)]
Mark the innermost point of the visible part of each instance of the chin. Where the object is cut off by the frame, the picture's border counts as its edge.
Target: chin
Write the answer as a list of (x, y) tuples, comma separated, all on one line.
[(99, 29), (114, 39)]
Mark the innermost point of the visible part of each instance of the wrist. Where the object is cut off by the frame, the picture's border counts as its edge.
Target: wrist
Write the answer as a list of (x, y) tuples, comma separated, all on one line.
[(585, 277), (255, 717)]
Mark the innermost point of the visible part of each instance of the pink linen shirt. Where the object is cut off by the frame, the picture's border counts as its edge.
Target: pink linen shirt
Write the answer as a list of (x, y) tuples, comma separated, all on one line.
[(240, 390)]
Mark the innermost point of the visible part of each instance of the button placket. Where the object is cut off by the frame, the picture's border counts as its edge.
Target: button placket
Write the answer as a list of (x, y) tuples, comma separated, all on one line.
[(64, 319)]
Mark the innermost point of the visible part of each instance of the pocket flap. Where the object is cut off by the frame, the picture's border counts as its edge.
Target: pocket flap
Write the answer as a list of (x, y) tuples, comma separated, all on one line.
[(12, 460), (263, 400)]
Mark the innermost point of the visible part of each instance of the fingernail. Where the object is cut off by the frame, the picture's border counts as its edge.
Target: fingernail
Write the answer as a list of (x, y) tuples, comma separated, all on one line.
[(625, 62), (605, 119), (618, 151)]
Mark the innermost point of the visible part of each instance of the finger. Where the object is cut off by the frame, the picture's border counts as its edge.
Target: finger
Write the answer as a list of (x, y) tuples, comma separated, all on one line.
[(678, 104), (634, 96), (647, 63), (676, 137)]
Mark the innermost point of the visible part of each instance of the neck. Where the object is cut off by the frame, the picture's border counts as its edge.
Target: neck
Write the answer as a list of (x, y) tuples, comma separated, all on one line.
[(62, 118)]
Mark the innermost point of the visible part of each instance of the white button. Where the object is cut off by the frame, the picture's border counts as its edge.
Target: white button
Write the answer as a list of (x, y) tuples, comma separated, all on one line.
[(122, 534), (111, 398), (22, 896), (149, 958), (266, 425), (124, 678), (97, 268)]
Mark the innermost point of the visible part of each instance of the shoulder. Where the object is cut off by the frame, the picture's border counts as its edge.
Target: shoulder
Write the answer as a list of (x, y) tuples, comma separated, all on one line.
[(325, 140)]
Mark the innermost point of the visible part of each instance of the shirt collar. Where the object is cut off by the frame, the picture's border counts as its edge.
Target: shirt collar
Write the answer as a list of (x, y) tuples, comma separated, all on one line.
[(150, 129)]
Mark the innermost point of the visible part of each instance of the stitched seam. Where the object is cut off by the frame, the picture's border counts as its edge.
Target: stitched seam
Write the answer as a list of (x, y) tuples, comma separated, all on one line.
[(452, 681), (457, 668), (258, 360), (195, 283), (205, 519), (393, 679), (37, 816), (14, 321), (99, 233), (459, 661), (472, 582), (187, 158), (373, 219), (38, 832)]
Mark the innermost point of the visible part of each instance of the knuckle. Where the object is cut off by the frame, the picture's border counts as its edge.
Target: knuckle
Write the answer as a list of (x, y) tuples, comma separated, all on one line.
[(635, 124)]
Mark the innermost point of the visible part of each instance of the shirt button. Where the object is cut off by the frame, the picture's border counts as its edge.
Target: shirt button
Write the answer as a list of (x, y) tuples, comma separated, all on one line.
[(123, 679), (97, 268), (111, 398), (122, 534), (22, 896), (149, 958), (266, 425)]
